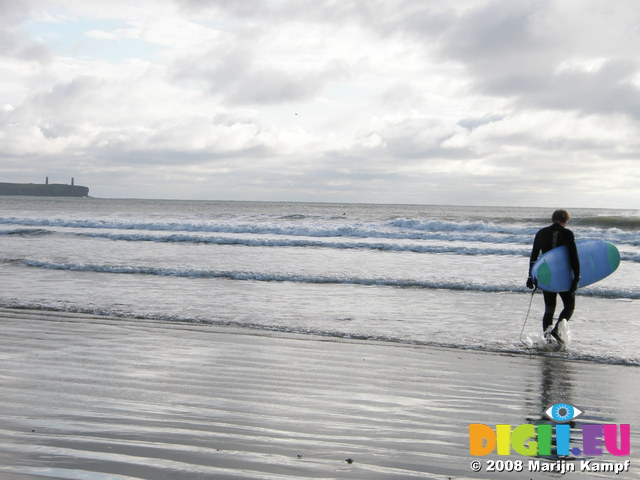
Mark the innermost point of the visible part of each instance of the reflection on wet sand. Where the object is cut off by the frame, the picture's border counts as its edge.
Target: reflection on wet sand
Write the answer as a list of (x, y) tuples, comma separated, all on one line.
[(557, 385)]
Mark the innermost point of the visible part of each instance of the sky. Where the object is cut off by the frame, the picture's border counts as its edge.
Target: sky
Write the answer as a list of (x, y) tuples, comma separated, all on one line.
[(464, 102)]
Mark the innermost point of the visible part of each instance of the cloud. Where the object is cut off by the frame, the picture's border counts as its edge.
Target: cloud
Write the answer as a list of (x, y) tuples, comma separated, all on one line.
[(414, 136), (399, 101), (14, 41), (100, 117), (243, 9), (527, 52), (607, 90), (239, 76)]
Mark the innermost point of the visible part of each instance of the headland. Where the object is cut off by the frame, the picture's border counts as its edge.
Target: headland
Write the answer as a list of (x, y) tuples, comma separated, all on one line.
[(44, 190)]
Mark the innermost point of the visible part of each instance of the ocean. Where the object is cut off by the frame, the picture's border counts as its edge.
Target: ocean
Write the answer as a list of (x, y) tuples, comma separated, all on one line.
[(445, 276)]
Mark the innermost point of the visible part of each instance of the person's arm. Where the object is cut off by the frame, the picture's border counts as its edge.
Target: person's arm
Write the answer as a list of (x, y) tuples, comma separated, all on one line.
[(574, 261), (535, 252)]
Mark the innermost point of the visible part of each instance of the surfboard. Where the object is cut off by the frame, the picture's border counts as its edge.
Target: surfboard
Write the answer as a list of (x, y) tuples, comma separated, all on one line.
[(598, 260)]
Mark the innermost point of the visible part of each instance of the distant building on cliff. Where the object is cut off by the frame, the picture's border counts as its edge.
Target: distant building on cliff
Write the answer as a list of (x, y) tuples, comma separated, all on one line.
[(44, 190)]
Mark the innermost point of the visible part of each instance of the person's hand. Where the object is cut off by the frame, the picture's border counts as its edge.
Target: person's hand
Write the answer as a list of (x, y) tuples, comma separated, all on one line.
[(574, 284), (530, 283)]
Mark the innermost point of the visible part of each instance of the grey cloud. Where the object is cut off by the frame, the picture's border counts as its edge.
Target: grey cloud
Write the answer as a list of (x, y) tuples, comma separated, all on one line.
[(66, 96), (402, 16), (233, 69), (264, 86), (244, 8), (64, 108), (238, 77), (495, 32), (14, 42), (383, 17), (286, 10), (510, 51), (88, 114), (416, 139), (607, 90)]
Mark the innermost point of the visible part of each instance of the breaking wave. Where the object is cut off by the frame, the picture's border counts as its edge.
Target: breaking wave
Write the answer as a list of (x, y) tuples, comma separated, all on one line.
[(392, 229), (613, 229), (296, 242), (311, 279)]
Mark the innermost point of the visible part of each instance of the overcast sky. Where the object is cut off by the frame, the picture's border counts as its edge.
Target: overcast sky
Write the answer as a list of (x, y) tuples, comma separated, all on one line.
[(392, 101)]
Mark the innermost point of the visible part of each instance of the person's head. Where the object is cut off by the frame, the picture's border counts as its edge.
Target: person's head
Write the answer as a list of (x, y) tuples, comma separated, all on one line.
[(560, 217)]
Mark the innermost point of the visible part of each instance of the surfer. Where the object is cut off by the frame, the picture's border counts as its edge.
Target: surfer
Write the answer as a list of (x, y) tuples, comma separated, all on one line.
[(547, 238)]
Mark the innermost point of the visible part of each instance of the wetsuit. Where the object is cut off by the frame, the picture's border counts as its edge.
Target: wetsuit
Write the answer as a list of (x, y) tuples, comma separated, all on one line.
[(547, 238)]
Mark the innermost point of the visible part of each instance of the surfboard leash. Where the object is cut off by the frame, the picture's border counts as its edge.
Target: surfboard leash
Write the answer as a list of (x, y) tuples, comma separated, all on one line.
[(527, 318)]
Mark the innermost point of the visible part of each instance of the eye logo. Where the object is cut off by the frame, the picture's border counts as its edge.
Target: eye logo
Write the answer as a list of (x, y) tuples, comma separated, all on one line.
[(563, 412)]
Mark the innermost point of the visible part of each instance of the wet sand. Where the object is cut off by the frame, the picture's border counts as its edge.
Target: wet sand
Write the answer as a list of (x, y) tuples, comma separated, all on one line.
[(89, 397)]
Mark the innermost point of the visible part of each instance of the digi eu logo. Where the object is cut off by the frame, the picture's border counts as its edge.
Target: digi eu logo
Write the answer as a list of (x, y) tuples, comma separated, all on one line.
[(546, 439)]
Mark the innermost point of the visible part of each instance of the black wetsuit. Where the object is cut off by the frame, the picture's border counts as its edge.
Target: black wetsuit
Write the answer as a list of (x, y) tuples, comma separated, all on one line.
[(547, 238)]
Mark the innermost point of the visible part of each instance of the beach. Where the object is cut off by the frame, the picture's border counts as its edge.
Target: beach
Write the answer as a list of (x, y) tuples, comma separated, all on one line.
[(165, 339), (284, 240), (90, 396)]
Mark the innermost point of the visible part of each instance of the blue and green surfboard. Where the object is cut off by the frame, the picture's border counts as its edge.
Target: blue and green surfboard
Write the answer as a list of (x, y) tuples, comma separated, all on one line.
[(598, 260)]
